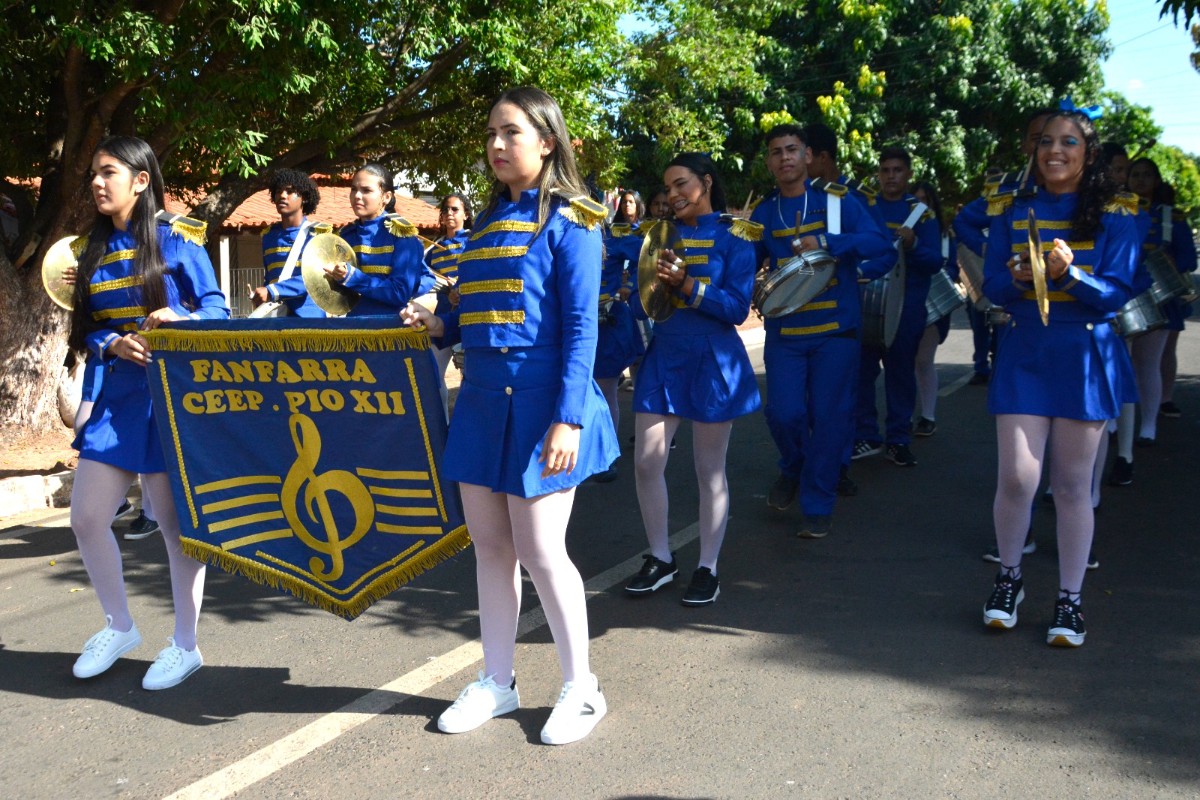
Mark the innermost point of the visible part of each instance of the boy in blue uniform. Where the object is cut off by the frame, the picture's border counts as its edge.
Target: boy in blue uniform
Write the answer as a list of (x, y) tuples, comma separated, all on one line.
[(295, 197), (811, 355), (921, 242)]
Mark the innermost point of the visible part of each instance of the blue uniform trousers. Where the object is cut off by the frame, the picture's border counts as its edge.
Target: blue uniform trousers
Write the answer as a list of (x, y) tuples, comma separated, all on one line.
[(899, 381), (810, 385)]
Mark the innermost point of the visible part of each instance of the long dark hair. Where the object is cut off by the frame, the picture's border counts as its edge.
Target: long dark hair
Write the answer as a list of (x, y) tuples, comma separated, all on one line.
[(386, 184), (558, 169), (1160, 194), (935, 202), (621, 216), (148, 261), (701, 165), (1096, 187)]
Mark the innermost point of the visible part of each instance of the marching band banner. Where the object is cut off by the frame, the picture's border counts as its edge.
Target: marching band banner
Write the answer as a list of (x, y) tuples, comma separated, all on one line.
[(306, 454)]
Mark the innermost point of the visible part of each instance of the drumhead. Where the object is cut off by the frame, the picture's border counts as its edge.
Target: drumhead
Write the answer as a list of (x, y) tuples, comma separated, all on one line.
[(794, 283)]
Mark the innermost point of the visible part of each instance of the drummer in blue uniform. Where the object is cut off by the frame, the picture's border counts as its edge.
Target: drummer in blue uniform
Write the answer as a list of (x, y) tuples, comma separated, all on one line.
[(139, 268), (935, 332), (1169, 233), (695, 368), (811, 355), (619, 344), (971, 227), (1057, 383), (391, 261), (921, 240), (295, 197), (530, 423)]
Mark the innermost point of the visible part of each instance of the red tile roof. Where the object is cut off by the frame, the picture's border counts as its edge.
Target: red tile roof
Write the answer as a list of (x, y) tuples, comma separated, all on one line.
[(259, 212)]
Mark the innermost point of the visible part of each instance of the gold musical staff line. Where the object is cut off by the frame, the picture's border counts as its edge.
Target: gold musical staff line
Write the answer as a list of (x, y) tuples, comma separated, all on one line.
[(385, 491), (238, 522), (393, 475), (233, 544), (238, 502), (406, 511), (409, 530), (233, 483)]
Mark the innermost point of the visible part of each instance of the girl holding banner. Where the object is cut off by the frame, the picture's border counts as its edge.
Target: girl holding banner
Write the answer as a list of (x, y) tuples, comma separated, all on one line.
[(530, 423), (140, 267)]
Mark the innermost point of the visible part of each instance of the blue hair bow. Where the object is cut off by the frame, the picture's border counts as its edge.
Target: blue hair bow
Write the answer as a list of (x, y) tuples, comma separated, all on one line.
[(1091, 112)]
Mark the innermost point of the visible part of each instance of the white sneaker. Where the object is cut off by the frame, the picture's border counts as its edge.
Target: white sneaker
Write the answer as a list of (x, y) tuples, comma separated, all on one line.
[(478, 703), (102, 650), (172, 667), (580, 706)]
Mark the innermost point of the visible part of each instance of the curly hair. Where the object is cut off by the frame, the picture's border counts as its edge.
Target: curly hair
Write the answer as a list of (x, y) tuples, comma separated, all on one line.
[(1096, 186), (297, 181)]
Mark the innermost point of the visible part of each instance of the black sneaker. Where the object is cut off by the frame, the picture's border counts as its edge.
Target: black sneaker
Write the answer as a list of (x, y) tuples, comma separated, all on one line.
[(1093, 562), (901, 456), (924, 427), (1000, 611), (816, 526), (653, 576), (1068, 629), (703, 589), (1169, 409), (979, 379), (863, 448), (846, 487), (783, 492), (141, 527), (123, 509), (1122, 473), (1029, 547)]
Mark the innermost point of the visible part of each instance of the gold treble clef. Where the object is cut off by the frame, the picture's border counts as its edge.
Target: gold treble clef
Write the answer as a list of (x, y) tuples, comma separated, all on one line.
[(303, 475)]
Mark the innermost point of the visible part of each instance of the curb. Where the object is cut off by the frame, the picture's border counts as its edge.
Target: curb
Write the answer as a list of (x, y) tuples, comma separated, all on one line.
[(25, 493)]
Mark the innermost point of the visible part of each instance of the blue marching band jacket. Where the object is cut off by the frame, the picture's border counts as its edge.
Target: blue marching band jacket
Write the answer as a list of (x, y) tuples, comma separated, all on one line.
[(391, 262), (277, 242)]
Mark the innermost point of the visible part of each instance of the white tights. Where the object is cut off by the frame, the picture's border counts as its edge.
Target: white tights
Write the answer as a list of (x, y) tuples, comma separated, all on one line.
[(710, 441), (927, 380), (511, 532), (1022, 441), (1147, 351), (98, 490)]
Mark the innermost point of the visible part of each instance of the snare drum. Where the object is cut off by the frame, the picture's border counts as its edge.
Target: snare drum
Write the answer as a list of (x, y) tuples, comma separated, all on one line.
[(268, 310), (882, 302), (1168, 281), (970, 271), (793, 283), (1139, 315), (945, 295)]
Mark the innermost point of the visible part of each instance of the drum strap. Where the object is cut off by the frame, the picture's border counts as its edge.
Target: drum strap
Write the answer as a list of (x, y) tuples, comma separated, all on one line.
[(833, 214), (1166, 223), (911, 219), (945, 248), (294, 253)]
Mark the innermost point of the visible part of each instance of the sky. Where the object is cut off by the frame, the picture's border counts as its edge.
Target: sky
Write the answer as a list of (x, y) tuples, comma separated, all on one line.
[(1150, 65)]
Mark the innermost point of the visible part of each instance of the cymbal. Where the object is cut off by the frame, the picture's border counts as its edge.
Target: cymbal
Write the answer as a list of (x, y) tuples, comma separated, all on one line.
[(59, 258), (655, 296), (1038, 263), (325, 250)]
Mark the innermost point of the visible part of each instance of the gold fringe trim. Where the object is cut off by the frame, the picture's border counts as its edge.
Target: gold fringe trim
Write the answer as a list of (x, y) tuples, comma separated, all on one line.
[(492, 318), (193, 230), (582, 210), (117, 255), (368, 250), (119, 283), (481, 253), (293, 341), (1123, 203), (999, 203), (513, 285), (747, 230), (400, 227), (384, 269), (621, 229), (119, 313), (505, 226), (450, 545), (696, 243)]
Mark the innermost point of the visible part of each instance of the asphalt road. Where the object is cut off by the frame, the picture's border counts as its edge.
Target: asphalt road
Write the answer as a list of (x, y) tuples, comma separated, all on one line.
[(850, 667)]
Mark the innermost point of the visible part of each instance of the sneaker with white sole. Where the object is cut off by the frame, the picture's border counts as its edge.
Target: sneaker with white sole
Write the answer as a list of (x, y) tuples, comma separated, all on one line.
[(480, 701), (141, 527), (580, 706), (104, 648), (1068, 629), (1000, 611), (173, 666), (863, 448)]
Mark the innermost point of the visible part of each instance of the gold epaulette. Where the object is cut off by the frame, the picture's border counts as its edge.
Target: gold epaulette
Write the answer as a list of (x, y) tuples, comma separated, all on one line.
[(399, 226), (321, 227), (744, 228), (830, 187), (999, 203), (1123, 203), (78, 245), (190, 229), (581, 209), (620, 229)]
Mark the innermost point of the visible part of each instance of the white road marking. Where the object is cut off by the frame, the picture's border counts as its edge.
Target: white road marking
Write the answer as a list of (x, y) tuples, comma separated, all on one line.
[(277, 755)]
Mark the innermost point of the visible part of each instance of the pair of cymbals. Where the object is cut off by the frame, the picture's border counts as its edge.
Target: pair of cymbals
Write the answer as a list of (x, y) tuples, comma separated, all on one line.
[(327, 250), (655, 295), (60, 258)]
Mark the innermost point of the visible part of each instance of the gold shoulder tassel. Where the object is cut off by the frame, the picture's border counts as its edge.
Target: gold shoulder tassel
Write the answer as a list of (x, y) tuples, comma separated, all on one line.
[(999, 203), (582, 210), (193, 230), (399, 226), (745, 229)]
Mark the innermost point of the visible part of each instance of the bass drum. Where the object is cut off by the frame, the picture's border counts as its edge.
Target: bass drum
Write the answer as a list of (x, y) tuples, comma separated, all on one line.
[(882, 302), (945, 295), (269, 310), (1139, 315), (793, 283)]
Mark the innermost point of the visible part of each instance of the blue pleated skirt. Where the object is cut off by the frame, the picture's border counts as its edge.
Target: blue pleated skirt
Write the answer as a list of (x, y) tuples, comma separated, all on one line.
[(619, 343), (1076, 370), (505, 406), (121, 431), (705, 377)]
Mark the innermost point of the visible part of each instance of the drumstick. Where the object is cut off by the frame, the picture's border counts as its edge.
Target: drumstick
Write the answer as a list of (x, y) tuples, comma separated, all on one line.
[(249, 291)]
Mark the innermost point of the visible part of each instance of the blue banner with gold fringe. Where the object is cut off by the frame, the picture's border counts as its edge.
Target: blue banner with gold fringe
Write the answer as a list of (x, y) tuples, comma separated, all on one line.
[(306, 454)]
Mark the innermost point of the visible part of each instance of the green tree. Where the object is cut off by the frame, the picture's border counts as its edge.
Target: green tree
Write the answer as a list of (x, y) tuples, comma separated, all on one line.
[(228, 90)]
